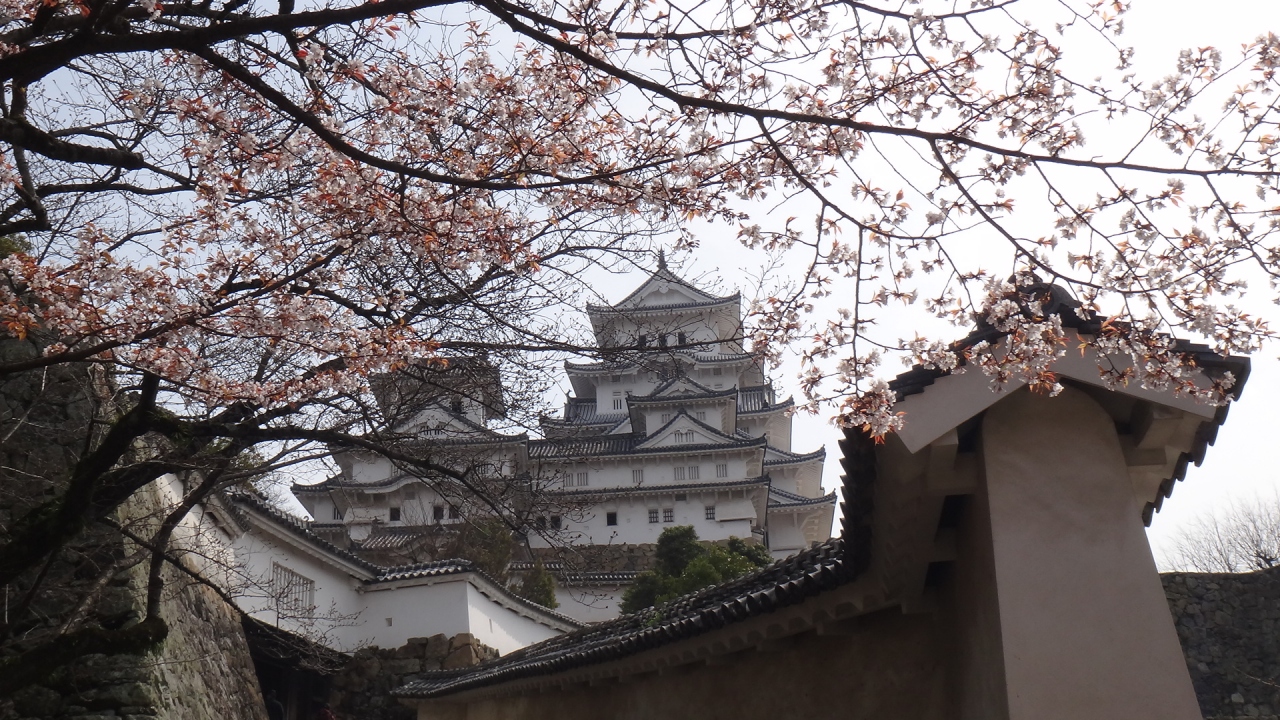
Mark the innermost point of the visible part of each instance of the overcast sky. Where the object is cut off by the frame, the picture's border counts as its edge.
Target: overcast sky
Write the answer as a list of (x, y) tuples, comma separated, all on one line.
[(1238, 466)]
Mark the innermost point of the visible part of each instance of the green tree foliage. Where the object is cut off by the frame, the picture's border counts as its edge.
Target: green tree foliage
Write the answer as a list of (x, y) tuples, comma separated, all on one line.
[(487, 542), (685, 565), (538, 586)]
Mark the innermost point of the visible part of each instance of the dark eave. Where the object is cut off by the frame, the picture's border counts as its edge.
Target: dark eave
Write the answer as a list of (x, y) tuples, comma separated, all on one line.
[(779, 585), (734, 300), (662, 489), (790, 458), (781, 499), (620, 445)]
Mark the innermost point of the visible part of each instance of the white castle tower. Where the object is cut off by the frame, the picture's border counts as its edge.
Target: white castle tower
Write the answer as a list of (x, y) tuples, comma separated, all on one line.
[(677, 426)]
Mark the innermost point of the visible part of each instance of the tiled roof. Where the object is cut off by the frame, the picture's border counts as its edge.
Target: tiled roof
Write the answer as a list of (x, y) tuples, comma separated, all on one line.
[(790, 458), (756, 399), (301, 528), (663, 274), (779, 585), (664, 489), (616, 366), (734, 299), (1058, 301), (783, 499), (610, 445), (573, 578)]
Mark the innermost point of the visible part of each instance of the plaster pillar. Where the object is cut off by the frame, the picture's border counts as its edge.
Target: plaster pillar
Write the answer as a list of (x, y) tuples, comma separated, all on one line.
[(1084, 624)]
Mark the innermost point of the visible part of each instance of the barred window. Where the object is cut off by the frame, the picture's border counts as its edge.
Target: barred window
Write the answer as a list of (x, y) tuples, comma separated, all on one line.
[(653, 516), (437, 512), (637, 475), (722, 470), (582, 479), (295, 594), (394, 514), (679, 473), (694, 472), (337, 513), (685, 436), (611, 518), (668, 515), (709, 512), (618, 403), (666, 418), (701, 415)]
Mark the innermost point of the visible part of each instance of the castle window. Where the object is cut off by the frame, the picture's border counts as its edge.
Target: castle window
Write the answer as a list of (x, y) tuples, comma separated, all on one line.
[(618, 403), (337, 513), (395, 514), (680, 338), (685, 436), (434, 432), (295, 594), (722, 470), (453, 513), (701, 415), (540, 522), (642, 341), (694, 472), (637, 475), (653, 516), (555, 522), (678, 473), (709, 512), (582, 479), (456, 405), (437, 512), (662, 340), (668, 515), (616, 379), (717, 371), (666, 418), (611, 518)]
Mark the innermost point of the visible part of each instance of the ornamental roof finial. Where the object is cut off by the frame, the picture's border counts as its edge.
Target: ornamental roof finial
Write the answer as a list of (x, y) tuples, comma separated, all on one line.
[(662, 259)]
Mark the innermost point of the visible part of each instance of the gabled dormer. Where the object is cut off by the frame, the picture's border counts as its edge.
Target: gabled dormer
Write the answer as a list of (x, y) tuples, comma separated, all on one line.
[(668, 313), (717, 408), (684, 429)]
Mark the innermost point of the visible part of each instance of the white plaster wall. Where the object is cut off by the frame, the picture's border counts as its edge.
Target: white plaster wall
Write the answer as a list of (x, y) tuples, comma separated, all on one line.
[(590, 604), (415, 610), (338, 619), (1084, 621), (616, 472), (502, 628), (633, 518)]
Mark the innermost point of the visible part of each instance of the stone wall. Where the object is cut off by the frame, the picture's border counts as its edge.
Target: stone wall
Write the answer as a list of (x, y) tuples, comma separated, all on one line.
[(362, 689), (202, 671), (1228, 625)]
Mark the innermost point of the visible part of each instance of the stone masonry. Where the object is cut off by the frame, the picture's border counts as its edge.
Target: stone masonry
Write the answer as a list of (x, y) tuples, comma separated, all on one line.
[(1228, 625)]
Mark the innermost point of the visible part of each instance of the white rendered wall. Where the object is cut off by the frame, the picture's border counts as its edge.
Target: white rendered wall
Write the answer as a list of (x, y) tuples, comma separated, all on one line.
[(420, 610), (1084, 621), (633, 526), (501, 628), (337, 620), (590, 604)]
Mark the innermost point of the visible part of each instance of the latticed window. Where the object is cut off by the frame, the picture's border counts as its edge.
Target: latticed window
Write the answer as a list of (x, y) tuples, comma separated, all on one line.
[(694, 472), (701, 415), (581, 479), (722, 470), (668, 515), (637, 475), (710, 512), (295, 594), (679, 473), (653, 516), (666, 418)]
